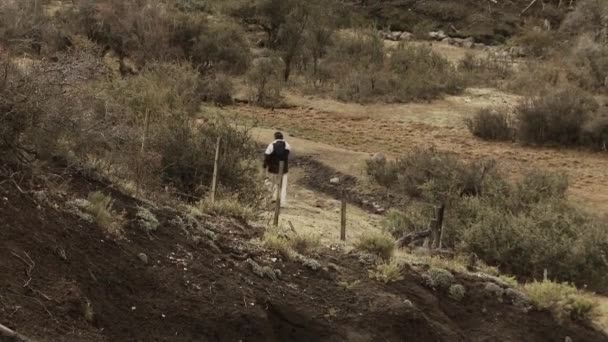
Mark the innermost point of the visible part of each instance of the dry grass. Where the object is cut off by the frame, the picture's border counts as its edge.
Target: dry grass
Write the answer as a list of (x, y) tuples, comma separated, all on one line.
[(387, 272), (376, 243), (100, 207), (228, 208), (563, 300)]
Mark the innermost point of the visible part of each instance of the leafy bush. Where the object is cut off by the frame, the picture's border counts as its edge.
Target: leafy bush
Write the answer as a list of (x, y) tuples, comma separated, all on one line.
[(457, 292), (387, 272), (491, 125), (413, 219), (562, 299), (440, 278), (432, 175), (557, 117), (146, 220), (222, 47), (376, 243)]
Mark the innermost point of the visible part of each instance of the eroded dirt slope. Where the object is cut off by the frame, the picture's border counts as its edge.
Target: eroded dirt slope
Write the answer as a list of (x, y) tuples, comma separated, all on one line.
[(62, 279)]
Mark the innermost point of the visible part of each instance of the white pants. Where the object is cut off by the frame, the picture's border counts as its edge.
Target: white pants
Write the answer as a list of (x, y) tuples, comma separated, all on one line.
[(274, 180)]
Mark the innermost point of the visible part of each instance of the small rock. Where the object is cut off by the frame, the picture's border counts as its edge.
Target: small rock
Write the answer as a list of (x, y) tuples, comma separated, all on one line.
[(335, 180), (143, 257), (438, 35), (568, 339)]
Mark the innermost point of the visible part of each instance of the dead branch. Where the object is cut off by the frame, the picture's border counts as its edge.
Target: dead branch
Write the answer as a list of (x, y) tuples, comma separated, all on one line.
[(30, 266), (4, 331), (527, 8), (413, 237)]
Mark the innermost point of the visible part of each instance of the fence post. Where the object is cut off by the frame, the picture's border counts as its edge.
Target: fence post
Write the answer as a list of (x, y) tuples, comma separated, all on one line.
[(277, 211), (215, 169), (440, 215), (343, 219), (142, 151)]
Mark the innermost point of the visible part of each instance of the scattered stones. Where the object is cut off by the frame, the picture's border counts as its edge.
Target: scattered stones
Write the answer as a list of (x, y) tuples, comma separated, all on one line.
[(396, 36), (437, 35), (143, 257)]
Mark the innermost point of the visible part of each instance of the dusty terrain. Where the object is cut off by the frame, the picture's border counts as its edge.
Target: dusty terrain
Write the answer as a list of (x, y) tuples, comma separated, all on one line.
[(62, 279), (395, 128)]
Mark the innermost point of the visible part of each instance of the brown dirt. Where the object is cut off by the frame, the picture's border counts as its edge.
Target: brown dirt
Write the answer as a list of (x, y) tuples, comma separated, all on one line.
[(395, 129), (207, 292)]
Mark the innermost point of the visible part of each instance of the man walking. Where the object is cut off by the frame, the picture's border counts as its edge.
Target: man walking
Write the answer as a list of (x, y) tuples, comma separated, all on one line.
[(277, 152)]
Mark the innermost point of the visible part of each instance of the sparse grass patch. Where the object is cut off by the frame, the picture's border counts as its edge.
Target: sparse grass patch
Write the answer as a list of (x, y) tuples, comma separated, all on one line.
[(100, 207), (273, 241), (376, 243), (228, 207), (562, 299), (387, 272), (303, 243)]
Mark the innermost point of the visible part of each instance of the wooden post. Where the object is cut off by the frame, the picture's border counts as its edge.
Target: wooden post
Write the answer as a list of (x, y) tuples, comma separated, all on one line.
[(343, 219), (440, 214), (215, 169), (434, 234), (141, 151), (277, 211)]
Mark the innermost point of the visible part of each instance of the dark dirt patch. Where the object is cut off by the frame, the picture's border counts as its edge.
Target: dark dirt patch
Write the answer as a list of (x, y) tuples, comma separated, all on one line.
[(86, 287), (318, 175)]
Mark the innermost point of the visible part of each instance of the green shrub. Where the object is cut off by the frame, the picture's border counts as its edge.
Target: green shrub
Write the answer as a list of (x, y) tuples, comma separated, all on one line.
[(146, 220), (414, 218), (562, 299), (387, 272), (490, 124), (557, 117), (440, 278), (457, 292), (376, 243), (222, 47)]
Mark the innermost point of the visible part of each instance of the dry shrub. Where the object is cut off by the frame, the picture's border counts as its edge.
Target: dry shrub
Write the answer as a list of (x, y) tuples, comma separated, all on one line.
[(100, 207), (304, 243), (265, 83), (483, 70), (491, 124), (588, 64), (358, 70), (563, 300), (555, 118), (589, 16), (222, 47), (536, 41), (387, 272), (218, 89), (376, 243), (534, 78), (228, 207)]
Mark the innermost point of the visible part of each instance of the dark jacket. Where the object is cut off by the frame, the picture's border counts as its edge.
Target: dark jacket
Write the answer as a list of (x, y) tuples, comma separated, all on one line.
[(276, 152)]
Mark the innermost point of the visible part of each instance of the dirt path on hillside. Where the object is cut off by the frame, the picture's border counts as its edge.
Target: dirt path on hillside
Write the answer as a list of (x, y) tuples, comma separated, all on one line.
[(351, 133)]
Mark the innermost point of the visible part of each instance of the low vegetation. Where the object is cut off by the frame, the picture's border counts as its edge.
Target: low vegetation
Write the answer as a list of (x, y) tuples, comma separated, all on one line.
[(376, 243), (292, 245), (523, 227), (562, 299), (491, 124), (100, 206), (387, 272), (228, 207)]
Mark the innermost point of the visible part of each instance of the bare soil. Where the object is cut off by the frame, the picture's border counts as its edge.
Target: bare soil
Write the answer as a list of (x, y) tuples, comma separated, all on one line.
[(63, 279)]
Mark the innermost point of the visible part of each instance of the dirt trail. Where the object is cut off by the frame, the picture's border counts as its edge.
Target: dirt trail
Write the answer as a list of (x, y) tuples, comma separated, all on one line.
[(356, 131)]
